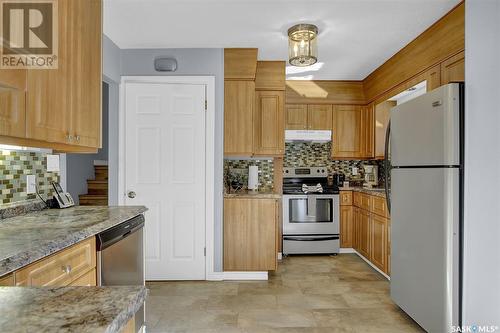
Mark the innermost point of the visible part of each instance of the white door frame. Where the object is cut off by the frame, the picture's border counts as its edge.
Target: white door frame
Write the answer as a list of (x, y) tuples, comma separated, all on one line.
[(209, 82)]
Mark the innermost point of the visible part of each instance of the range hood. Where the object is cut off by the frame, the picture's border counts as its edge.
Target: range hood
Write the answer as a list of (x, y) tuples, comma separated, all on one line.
[(312, 136)]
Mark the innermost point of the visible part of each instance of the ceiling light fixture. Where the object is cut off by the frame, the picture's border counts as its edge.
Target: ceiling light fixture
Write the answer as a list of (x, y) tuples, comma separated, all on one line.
[(303, 45)]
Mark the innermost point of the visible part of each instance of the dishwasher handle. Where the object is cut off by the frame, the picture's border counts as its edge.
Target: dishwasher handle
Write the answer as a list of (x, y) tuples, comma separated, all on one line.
[(109, 237)]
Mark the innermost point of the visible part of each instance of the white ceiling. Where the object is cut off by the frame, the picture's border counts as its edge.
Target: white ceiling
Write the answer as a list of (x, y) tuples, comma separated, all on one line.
[(356, 36)]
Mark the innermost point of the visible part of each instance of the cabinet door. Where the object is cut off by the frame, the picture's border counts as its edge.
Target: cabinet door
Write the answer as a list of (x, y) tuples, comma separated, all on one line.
[(13, 102), (364, 233), (319, 117), (367, 131), (355, 228), (453, 69), (296, 117), (239, 100), (378, 253), (64, 104), (250, 234), (347, 138), (269, 132), (382, 115), (86, 65), (346, 226)]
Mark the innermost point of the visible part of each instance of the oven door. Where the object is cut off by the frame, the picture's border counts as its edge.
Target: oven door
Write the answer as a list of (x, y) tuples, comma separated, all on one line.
[(311, 214)]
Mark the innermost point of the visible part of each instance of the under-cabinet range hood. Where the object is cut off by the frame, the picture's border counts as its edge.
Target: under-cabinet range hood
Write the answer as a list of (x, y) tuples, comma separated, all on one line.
[(312, 136)]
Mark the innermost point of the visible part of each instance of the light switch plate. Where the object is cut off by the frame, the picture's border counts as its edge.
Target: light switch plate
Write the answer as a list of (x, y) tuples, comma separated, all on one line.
[(52, 163), (354, 171), (30, 184)]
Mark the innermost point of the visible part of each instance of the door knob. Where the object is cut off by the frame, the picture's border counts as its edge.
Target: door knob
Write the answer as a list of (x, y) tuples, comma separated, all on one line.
[(131, 194)]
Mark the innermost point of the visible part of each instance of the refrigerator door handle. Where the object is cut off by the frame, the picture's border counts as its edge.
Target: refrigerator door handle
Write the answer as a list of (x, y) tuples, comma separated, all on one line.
[(387, 165)]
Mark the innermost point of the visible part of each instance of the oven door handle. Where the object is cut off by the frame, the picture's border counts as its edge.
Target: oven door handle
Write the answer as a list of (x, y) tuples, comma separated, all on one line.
[(310, 239)]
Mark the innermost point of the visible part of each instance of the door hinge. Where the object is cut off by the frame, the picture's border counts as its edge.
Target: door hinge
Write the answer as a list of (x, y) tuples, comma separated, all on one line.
[(206, 105), (205, 251)]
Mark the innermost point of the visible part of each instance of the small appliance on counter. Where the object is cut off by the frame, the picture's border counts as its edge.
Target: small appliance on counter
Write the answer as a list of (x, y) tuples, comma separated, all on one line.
[(311, 221), (338, 179), (371, 176), (253, 178)]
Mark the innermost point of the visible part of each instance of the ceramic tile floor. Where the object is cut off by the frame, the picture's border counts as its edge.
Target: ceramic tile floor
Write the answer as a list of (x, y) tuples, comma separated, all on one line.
[(308, 294)]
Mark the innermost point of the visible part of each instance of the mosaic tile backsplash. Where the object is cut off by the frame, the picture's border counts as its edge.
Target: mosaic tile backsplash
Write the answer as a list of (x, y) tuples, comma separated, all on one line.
[(237, 170), (14, 166), (302, 154)]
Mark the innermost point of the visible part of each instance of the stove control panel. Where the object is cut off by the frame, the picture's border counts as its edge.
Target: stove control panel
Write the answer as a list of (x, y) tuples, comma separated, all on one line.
[(316, 172)]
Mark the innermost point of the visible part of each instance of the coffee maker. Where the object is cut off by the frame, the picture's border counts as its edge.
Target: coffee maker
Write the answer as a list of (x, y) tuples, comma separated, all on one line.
[(371, 176)]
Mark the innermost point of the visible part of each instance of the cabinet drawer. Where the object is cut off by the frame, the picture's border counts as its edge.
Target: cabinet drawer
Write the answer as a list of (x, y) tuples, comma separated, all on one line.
[(362, 200), (87, 280), (61, 268), (379, 206), (7, 281), (345, 198)]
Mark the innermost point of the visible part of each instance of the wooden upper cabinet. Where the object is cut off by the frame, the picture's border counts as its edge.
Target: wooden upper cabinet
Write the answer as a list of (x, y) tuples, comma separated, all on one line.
[(239, 100), (319, 117), (269, 132), (270, 75), (453, 69), (13, 102), (64, 104), (382, 116), (240, 63), (296, 116), (347, 135), (367, 131)]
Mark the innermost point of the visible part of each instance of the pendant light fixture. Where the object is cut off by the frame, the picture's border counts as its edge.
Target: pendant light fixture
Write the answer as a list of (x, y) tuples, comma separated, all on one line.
[(303, 45)]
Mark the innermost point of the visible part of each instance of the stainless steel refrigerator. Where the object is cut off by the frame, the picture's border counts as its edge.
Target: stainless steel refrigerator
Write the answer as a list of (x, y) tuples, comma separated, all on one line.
[(425, 198)]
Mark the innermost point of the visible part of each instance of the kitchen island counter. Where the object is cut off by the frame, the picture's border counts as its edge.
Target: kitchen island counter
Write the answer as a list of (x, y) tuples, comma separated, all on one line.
[(69, 309), (27, 238)]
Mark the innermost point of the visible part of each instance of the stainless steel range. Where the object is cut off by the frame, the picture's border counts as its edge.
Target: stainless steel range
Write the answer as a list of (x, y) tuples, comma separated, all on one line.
[(311, 222)]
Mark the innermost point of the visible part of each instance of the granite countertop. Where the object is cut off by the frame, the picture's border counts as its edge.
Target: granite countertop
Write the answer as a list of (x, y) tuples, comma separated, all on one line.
[(378, 192), (69, 309), (251, 194), (27, 238)]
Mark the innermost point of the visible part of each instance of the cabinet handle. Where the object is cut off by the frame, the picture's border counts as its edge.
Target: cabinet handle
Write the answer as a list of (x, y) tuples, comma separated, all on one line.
[(69, 137), (66, 269), (77, 138)]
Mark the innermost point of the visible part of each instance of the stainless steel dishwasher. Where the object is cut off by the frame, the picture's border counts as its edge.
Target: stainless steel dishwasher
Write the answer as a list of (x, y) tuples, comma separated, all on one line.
[(120, 258)]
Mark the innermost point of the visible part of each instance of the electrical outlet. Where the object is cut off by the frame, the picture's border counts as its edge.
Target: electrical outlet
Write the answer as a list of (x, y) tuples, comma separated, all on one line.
[(52, 163), (354, 171), (30, 184)]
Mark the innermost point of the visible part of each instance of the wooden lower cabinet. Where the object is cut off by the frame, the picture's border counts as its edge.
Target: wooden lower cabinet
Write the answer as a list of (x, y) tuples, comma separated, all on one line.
[(250, 234), (378, 241), (87, 280), (62, 268), (346, 226), (7, 281), (364, 233), (365, 227)]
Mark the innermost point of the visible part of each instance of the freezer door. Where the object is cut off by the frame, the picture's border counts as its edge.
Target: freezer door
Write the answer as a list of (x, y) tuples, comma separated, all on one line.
[(424, 245), (426, 130)]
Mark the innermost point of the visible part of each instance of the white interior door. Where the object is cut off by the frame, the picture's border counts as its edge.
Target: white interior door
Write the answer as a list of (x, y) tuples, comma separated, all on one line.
[(165, 168)]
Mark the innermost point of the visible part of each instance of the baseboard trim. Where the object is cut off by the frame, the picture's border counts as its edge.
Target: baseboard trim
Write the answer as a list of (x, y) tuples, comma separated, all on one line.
[(215, 276), (347, 250), (235, 276), (372, 265)]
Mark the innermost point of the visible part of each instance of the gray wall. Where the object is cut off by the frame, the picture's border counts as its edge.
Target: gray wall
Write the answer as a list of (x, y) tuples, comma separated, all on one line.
[(112, 76), (482, 152), (80, 167), (191, 62)]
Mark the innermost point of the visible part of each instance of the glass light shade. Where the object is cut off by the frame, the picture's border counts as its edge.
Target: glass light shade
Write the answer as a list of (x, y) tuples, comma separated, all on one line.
[(303, 45)]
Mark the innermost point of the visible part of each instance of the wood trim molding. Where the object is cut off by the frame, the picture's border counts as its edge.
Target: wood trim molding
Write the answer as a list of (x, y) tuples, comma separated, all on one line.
[(444, 38), (324, 92)]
